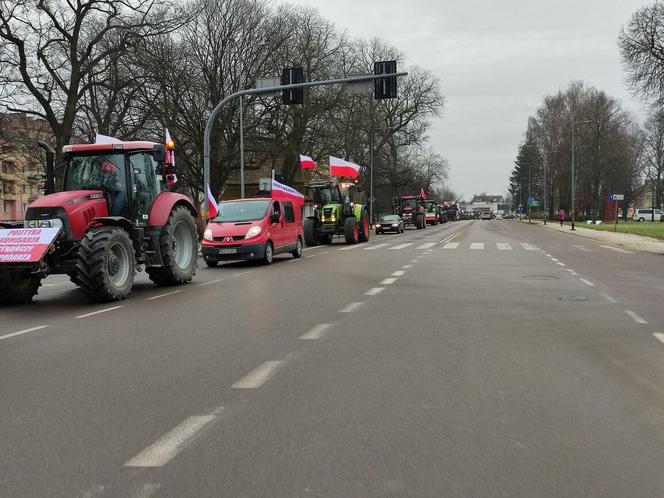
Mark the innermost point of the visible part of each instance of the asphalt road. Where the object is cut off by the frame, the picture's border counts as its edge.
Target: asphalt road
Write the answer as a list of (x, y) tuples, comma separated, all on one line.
[(476, 358)]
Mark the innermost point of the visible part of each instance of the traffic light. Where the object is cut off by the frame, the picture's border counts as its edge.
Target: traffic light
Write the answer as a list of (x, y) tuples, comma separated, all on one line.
[(291, 76), (385, 88)]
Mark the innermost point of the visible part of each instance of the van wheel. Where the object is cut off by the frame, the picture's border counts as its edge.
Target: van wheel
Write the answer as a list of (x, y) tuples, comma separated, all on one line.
[(268, 256), (297, 253)]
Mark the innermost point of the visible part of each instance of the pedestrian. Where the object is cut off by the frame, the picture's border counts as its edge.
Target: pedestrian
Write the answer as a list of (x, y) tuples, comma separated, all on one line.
[(561, 215)]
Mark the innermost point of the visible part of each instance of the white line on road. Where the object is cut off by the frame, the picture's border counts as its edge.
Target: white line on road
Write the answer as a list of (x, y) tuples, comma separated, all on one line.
[(373, 248), (635, 317), (405, 267), (617, 249), (477, 245), (350, 248), (388, 281), (310, 256), (351, 307), (211, 282), (317, 332), (503, 246), (451, 245), (259, 376), (413, 261), (398, 273), (243, 273), (547, 255), (401, 246), (374, 290), (609, 298), (554, 259), (164, 449), (587, 282), (530, 247), (427, 245), (659, 337), (583, 248), (561, 264), (24, 331), (100, 311), (163, 295), (324, 252)]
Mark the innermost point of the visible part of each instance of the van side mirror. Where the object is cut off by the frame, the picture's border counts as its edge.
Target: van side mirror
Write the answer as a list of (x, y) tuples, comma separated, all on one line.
[(274, 217)]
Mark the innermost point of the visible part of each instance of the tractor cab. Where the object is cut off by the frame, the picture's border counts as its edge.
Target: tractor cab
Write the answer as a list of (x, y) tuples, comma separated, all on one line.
[(411, 208)]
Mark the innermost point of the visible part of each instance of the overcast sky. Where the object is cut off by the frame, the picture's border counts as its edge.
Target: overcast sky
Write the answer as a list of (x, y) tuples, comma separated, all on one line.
[(496, 59)]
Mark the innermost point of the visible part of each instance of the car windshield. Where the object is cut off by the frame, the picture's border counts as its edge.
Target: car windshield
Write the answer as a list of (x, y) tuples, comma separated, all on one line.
[(390, 218), (93, 172), (236, 211)]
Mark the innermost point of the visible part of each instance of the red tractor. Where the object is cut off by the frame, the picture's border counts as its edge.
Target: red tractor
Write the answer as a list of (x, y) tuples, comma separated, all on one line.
[(412, 209), (113, 216)]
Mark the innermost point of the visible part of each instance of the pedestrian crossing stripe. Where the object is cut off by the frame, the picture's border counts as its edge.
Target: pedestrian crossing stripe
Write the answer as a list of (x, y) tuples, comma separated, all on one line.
[(402, 246), (503, 246), (428, 245), (477, 245), (451, 245)]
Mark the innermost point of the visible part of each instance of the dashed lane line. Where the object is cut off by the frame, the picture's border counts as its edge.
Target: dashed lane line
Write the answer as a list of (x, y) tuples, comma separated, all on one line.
[(24, 331), (413, 261), (405, 267), (351, 247), (259, 376), (399, 273), (163, 295), (659, 337), (374, 291), (635, 317), (618, 249), (530, 247), (388, 281), (583, 248), (561, 264), (587, 282), (164, 449), (351, 307), (554, 259), (212, 282), (316, 332), (609, 298), (100, 311)]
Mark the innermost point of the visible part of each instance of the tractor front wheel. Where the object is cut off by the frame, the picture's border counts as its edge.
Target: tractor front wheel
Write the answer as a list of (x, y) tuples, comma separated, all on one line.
[(420, 223), (351, 230), (310, 232), (364, 227), (105, 267), (17, 287), (179, 250)]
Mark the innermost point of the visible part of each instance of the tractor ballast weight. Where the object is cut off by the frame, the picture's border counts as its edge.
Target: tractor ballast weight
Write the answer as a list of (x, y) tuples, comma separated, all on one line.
[(411, 209), (114, 215), (340, 208)]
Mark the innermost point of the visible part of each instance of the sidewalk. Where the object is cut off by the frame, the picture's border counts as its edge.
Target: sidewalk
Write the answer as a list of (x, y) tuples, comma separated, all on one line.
[(626, 240)]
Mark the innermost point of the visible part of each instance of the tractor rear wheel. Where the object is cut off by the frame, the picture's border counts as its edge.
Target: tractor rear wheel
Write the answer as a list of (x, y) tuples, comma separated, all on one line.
[(105, 267), (364, 227), (179, 250), (420, 223), (17, 287), (310, 232), (351, 230)]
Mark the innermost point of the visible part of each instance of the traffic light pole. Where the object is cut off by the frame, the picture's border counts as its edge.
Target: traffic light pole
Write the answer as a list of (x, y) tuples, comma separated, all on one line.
[(259, 91)]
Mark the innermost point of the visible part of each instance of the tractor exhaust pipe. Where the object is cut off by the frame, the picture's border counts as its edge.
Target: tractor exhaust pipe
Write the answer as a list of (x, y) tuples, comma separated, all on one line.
[(50, 167)]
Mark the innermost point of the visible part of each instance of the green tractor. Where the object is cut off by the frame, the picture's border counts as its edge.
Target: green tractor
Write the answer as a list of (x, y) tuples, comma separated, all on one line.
[(340, 209)]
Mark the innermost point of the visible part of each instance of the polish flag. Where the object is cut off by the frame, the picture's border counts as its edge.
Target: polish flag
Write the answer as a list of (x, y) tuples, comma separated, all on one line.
[(306, 162), (212, 203), (340, 167)]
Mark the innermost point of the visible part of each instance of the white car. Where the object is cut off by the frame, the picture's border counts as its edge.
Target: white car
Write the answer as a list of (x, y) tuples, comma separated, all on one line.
[(646, 215), (485, 215)]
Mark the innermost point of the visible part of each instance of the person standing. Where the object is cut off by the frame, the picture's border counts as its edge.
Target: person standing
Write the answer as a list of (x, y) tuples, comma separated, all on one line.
[(561, 215)]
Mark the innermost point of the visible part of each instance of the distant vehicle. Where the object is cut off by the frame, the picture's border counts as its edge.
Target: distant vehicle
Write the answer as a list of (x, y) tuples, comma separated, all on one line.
[(485, 214), (411, 209), (432, 213), (255, 229), (499, 216), (646, 215), (508, 216), (390, 223)]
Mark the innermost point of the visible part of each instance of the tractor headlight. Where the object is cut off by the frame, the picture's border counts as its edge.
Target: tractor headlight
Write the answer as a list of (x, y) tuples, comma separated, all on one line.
[(207, 235), (253, 231), (52, 223)]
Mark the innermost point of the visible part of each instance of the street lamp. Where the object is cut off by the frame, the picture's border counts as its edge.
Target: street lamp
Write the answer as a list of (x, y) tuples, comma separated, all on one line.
[(574, 171)]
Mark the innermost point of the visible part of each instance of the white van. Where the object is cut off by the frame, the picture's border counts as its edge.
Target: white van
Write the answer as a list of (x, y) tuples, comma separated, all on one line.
[(646, 215)]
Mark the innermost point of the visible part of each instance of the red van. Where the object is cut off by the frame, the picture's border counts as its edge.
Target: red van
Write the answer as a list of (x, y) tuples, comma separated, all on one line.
[(256, 228)]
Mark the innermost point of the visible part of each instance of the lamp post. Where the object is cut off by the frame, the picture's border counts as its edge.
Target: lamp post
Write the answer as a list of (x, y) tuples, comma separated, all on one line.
[(574, 123)]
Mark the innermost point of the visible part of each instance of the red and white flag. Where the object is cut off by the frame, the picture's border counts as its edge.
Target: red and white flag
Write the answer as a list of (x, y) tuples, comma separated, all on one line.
[(423, 194), (341, 167), (212, 203), (306, 162)]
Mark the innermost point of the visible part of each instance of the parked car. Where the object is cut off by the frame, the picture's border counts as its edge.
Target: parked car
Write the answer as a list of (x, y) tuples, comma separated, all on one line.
[(390, 223), (485, 215), (255, 229), (646, 215)]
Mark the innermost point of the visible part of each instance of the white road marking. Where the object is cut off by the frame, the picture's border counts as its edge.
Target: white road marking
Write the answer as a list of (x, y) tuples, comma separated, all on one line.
[(405, 267), (587, 282), (451, 245), (211, 282), (373, 291), (310, 256), (317, 332), (547, 255), (554, 259), (609, 298), (243, 273), (351, 307), (561, 264), (293, 260), (388, 281), (164, 449), (659, 337), (477, 245), (398, 273), (325, 252), (583, 249), (617, 249), (100, 311), (259, 376), (427, 245), (530, 247), (373, 248), (635, 317), (401, 246), (503, 246), (350, 247), (413, 261), (24, 331), (164, 295)]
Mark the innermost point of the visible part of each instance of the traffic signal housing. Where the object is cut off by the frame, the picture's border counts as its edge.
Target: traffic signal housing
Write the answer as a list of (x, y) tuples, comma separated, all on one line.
[(291, 76), (385, 88)]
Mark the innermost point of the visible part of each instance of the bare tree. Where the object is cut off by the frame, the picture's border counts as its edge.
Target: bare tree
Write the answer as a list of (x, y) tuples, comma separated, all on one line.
[(653, 152)]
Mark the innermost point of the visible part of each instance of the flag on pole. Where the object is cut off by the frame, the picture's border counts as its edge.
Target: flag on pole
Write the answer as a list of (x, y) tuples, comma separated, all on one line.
[(306, 162), (423, 194), (105, 139), (341, 167), (212, 203)]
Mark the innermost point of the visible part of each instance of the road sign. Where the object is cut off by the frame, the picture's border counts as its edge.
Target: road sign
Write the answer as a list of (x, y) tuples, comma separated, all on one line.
[(268, 83), (616, 197), (360, 87)]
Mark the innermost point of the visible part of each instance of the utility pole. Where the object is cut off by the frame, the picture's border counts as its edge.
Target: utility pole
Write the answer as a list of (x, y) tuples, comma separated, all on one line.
[(574, 172)]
